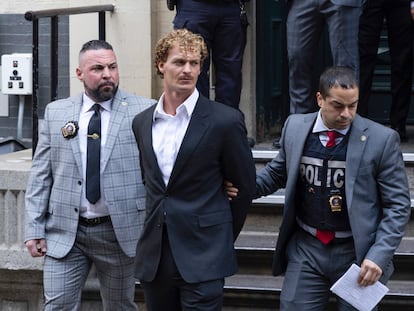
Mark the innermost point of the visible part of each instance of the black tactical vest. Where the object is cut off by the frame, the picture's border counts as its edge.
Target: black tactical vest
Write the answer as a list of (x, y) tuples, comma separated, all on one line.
[(320, 199)]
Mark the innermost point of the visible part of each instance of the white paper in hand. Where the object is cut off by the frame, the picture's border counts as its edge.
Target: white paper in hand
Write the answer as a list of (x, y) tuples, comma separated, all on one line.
[(362, 298)]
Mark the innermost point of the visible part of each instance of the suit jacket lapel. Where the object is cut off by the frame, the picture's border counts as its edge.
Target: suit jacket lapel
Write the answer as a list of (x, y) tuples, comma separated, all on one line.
[(118, 109), (148, 149), (196, 129), (73, 115), (296, 139), (356, 147)]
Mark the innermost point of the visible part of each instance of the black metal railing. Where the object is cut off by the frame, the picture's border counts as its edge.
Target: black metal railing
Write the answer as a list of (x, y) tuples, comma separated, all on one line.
[(34, 16)]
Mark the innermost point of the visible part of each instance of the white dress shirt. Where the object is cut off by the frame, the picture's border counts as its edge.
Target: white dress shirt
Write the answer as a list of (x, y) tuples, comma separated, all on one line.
[(321, 128), (168, 132), (100, 208)]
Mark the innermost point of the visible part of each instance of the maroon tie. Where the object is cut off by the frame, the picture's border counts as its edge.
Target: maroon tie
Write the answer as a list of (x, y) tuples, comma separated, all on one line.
[(331, 141), (327, 236)]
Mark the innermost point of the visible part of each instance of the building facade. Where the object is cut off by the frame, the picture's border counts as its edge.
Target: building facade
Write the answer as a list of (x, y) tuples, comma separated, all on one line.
[(133, 29)]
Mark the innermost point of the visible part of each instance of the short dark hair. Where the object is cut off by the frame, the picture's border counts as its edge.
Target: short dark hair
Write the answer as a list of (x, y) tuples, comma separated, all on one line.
[(337, 76), (95, 45)]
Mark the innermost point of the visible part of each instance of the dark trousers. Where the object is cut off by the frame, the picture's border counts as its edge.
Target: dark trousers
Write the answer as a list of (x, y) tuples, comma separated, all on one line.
[(304, 25), (400, 41), (168, 291), (312, 269), (218, 22)]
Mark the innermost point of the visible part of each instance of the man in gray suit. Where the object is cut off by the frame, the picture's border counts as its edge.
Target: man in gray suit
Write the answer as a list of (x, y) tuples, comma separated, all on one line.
[(346, 196), (305, 23), (63, 223)]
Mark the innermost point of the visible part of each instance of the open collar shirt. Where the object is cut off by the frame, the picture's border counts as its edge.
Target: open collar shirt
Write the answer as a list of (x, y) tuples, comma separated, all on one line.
[(168, 132)]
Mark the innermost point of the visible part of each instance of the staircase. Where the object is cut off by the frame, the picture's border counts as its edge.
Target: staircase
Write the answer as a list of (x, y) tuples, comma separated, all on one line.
[(254, 288)]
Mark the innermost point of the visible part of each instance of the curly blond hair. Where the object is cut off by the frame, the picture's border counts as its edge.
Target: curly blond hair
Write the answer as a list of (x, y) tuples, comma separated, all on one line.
[(185, 39)]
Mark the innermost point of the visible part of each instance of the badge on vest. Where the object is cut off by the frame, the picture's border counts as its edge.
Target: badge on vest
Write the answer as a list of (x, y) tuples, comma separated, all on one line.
[(335, 201)]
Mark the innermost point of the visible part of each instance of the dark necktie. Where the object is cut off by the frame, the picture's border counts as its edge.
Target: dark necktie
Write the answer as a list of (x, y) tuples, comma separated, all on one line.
[(93, 159), (331, 138), (327, 236)]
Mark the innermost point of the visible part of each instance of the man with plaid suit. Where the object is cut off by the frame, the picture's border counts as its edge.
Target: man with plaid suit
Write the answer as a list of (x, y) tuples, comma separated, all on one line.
[(71, 231)]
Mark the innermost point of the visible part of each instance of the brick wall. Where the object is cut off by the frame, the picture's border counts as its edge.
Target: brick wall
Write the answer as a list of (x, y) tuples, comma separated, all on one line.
[(16, 37)]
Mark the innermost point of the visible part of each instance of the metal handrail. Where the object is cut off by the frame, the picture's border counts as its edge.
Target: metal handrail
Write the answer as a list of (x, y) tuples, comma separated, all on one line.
[(32, 15)]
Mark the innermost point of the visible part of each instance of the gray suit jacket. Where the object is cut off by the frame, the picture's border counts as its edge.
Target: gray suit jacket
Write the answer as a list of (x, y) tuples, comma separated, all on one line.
[(376, 188), (53, 192)]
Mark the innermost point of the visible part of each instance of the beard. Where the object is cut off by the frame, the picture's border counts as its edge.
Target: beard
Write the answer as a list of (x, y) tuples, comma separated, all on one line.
[(103, 92)]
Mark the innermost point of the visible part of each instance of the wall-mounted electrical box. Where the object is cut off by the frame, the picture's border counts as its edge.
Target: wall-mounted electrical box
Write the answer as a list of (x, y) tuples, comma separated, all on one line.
[(16, 71)]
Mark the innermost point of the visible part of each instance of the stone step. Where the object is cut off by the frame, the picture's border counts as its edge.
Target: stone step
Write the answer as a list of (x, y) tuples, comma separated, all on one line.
[(253, 292), (260, 293), (255, 253), (253, 288)]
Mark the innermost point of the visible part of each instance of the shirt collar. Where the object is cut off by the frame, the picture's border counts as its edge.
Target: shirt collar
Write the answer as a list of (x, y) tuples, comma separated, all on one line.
[(188, 105), (88, 103), (321, 127)]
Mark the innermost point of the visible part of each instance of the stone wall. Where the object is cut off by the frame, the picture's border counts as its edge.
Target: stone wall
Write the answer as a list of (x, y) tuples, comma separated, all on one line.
[(21, 277), (20, 274)]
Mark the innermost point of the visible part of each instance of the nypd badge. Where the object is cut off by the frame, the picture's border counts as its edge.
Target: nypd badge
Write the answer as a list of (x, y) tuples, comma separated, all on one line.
[(70, 129)]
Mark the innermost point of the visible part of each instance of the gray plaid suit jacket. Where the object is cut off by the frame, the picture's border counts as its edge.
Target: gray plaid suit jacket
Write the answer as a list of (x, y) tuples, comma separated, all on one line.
[(54, 187)]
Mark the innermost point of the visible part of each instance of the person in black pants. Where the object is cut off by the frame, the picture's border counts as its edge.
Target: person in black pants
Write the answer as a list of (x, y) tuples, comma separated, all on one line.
[(400, 41), (223, 28)]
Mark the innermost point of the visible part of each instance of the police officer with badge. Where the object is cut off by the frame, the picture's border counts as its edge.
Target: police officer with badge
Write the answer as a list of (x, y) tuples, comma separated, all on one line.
[(346, 196)]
